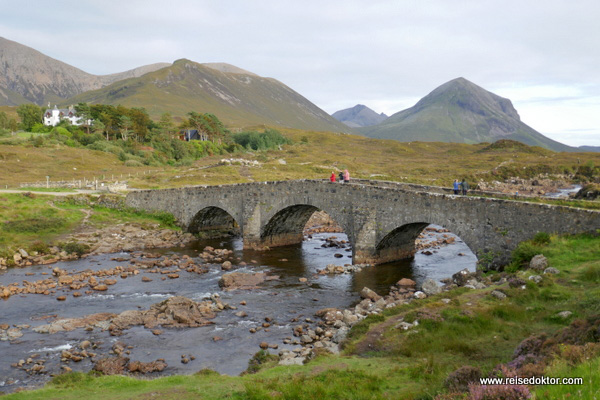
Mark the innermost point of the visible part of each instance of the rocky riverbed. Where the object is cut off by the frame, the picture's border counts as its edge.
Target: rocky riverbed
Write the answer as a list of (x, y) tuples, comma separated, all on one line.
[(204, 305)]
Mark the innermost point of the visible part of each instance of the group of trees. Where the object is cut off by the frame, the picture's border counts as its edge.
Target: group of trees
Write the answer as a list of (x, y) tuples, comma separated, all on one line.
[(135, 138)]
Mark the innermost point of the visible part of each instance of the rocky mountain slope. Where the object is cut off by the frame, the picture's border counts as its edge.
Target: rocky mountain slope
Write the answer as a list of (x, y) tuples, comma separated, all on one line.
[(237, 97), (28, 76), (358, 116), (460, 111)]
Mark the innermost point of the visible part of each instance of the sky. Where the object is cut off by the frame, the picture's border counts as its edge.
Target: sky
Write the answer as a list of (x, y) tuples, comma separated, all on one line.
[(544, 55)]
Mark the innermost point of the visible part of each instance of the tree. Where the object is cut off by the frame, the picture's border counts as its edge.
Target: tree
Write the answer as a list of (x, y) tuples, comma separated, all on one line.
[(98, 127), (208, 124), (165, 124), (3, 120), (12, 125), (126, 124), (84, 112), (141, 121), (30, 115)]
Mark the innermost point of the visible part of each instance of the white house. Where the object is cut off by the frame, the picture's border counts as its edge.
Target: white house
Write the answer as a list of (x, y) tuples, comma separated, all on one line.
[(54, 116)]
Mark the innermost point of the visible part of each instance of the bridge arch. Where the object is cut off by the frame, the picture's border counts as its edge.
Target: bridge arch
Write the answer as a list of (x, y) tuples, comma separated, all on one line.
[(215, 221), (286, 225), (400, 243)]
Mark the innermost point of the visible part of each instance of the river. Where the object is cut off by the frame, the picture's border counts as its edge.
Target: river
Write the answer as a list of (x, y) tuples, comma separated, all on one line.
[(286, 302)]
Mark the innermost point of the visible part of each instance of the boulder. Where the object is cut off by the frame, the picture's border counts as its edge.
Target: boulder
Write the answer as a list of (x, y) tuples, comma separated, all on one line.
[(242, 280), (226, 266), (405, 282), (111, 365), (146, 368), (538, 263), (551, 270), (367, 293), (430, 287), (462, 277)]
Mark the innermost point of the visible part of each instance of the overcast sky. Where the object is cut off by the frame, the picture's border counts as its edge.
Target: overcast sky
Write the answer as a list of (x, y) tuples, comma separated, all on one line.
[(543, 55)]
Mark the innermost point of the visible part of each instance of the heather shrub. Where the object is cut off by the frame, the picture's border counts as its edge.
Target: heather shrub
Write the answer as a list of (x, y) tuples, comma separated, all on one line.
[(460, 379), (498, 392)]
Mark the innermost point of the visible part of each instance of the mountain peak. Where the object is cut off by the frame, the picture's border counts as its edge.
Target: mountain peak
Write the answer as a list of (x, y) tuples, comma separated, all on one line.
[(462, 112), (359, 116)]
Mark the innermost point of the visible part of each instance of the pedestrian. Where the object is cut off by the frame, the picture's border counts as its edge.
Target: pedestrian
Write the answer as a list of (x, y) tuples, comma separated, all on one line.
[(456, 187), (332, 177), (341, 176), (346, 176), (465, 187)]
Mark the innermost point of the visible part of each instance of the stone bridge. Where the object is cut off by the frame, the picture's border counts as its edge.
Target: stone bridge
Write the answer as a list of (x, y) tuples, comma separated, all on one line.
[(382, 219)]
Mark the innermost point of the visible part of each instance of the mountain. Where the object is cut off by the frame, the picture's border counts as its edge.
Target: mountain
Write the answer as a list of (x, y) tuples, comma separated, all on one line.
[(460, 111), (592, 149), (237, 97), (28, 76), (358, 116)]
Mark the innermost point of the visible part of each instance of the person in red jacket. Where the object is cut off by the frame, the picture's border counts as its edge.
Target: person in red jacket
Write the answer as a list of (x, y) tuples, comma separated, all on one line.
[(332, 177)]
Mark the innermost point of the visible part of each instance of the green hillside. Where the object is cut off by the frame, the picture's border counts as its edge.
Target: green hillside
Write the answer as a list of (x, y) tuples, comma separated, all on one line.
[(238, 99), (460, 112)]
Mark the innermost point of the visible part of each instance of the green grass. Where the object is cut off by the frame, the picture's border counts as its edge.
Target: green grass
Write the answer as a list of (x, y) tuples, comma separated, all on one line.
[(588, 370), (34, 221)]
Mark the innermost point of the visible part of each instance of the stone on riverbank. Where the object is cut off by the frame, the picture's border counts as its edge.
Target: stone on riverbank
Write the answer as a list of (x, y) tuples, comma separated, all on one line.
[(243, 280)]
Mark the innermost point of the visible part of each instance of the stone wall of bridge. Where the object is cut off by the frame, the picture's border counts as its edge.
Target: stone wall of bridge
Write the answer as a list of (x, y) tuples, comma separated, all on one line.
[(382, 222)]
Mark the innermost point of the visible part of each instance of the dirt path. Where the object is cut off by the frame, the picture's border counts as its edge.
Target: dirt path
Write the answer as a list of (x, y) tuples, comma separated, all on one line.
[(77, 191)]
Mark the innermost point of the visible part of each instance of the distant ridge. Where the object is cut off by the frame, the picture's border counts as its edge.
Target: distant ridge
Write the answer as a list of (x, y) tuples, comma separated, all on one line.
[(592, 149), (459, 111), (237, 97), (28, 76), (359, 116)]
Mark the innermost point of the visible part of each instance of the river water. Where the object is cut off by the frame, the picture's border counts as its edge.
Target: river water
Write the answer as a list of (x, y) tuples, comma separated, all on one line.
[(287, 302)]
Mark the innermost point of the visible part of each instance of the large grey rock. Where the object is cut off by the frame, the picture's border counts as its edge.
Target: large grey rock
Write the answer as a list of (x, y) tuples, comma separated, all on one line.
[(242, 280), (538, 263), (430, 287), (367, 293)]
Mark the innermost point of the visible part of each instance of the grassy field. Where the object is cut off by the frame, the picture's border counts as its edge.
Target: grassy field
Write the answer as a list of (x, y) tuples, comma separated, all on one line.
[(380, 362), (313, 155)]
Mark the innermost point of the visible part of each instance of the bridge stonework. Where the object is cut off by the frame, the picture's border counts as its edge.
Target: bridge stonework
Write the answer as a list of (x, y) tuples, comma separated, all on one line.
[(382, 221)]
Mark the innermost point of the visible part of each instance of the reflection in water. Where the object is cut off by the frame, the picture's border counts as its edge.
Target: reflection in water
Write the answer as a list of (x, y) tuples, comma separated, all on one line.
[(286, 301)]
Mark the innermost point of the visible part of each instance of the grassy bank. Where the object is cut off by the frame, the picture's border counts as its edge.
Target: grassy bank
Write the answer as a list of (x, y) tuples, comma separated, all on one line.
[(472, 328), (33, 221)]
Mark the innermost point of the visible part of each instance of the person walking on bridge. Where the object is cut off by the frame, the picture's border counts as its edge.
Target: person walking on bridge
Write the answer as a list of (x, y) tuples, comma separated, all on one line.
[(346, 176), (456, 187), (332, 177), (465, 187)]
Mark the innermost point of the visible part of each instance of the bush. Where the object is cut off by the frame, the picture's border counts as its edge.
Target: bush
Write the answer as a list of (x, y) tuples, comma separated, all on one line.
[(40, 247), (260, 358), (261, 141), (541, 239), (76, 248), (460, 379), (495, 392), (522, 255), (59, 130)]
